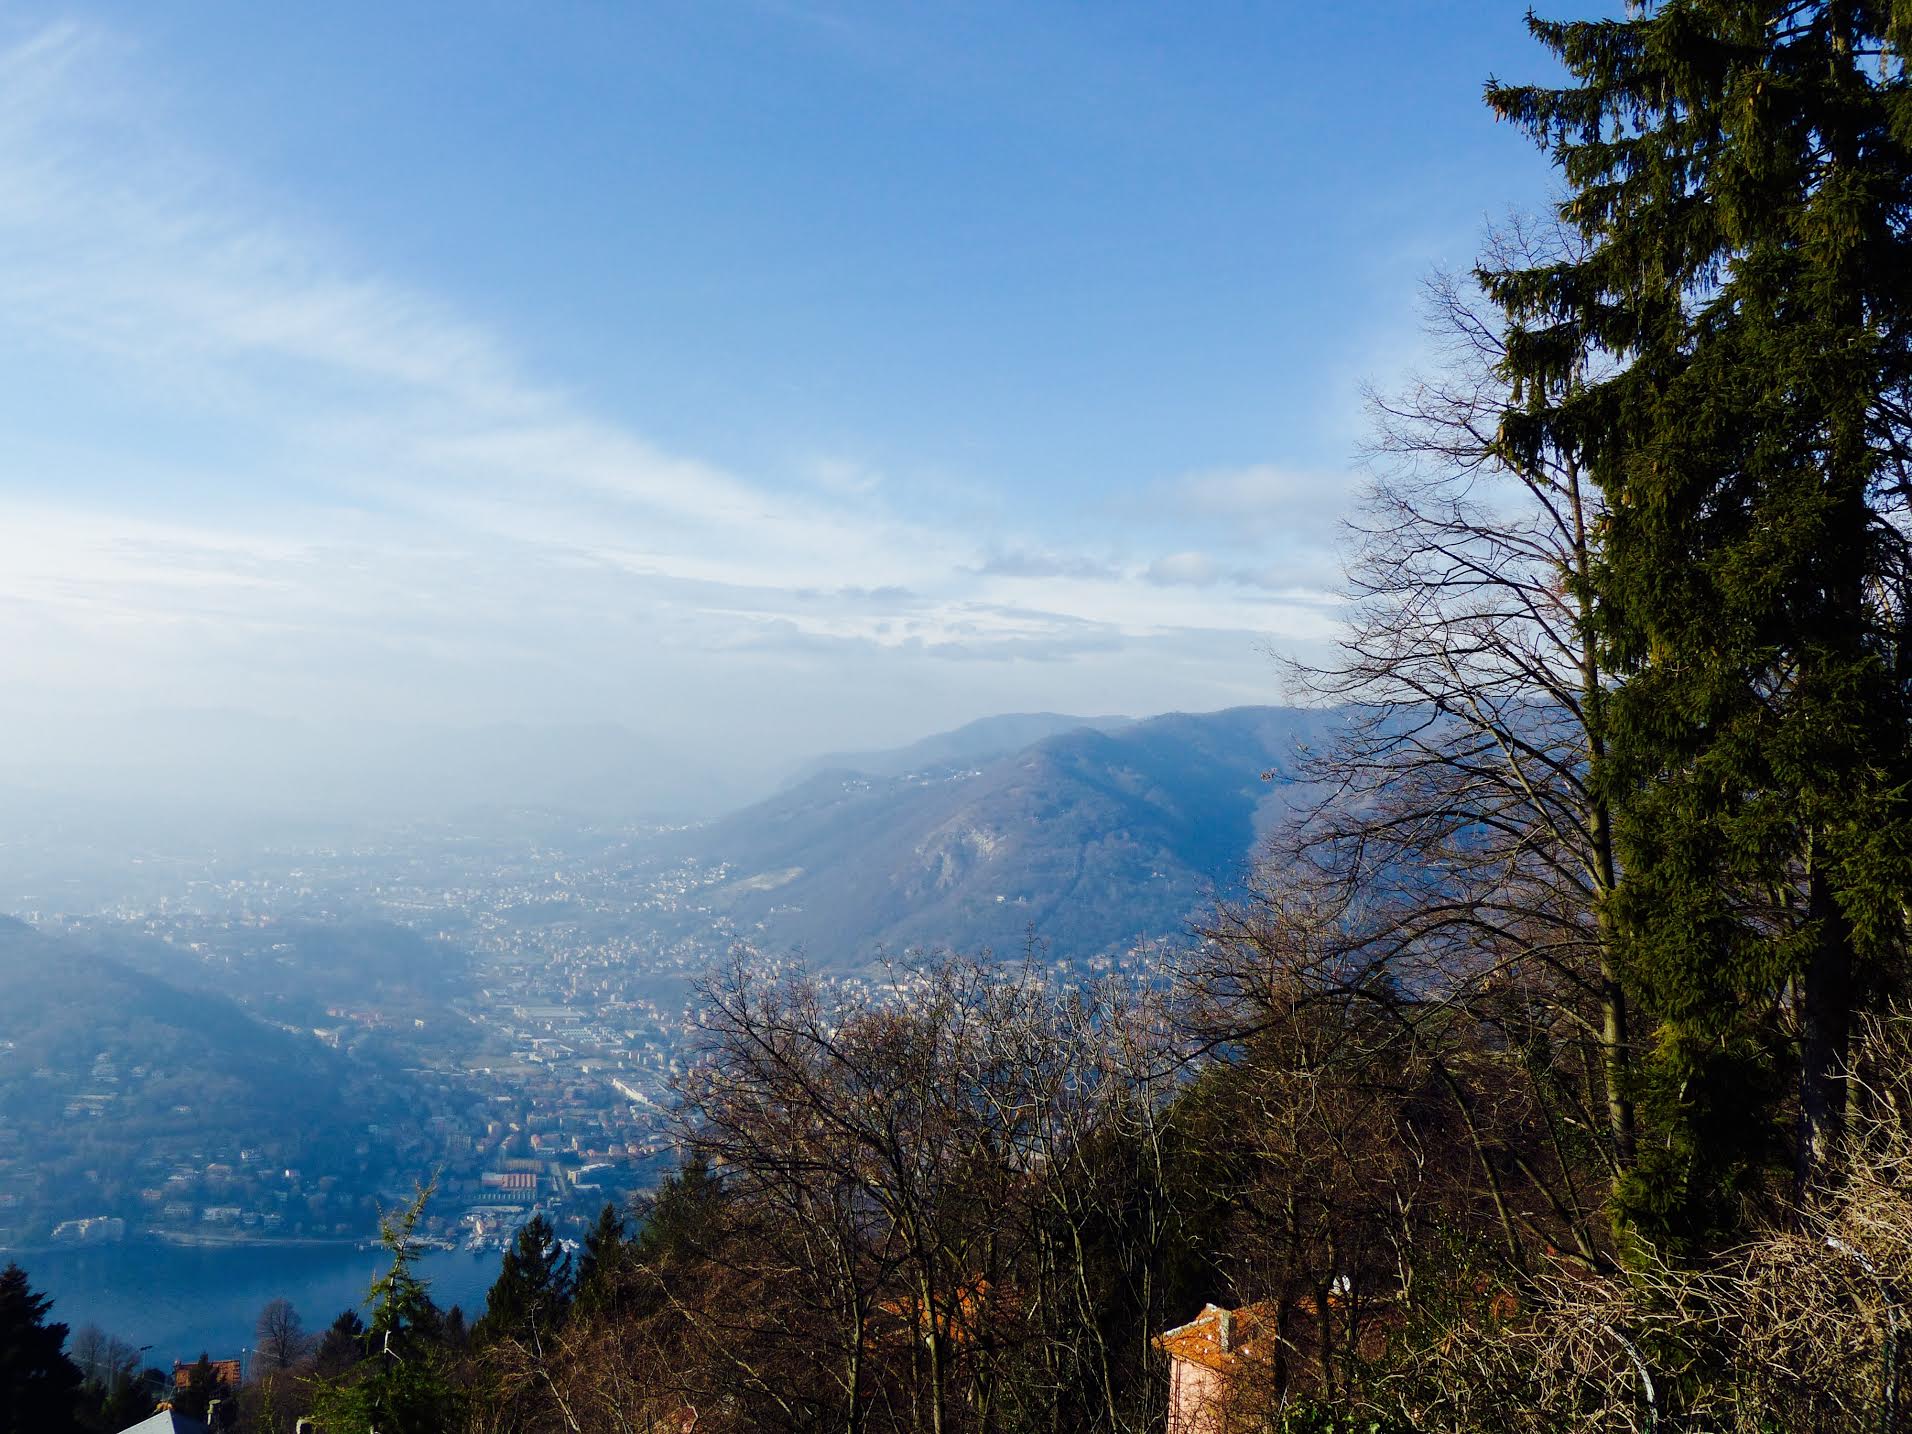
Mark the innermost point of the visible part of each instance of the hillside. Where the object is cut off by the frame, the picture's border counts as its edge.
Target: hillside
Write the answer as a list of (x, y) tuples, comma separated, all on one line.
[(1088, 839), (116, 1082)]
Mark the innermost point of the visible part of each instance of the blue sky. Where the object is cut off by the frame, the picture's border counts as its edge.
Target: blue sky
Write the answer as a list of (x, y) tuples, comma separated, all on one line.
[(763, 376)]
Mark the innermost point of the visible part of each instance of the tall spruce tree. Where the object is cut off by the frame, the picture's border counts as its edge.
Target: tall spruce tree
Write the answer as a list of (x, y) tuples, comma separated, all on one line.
[(1730, 358), (604, 1264), (39, 1385), (532, 1293), (680, 1219)]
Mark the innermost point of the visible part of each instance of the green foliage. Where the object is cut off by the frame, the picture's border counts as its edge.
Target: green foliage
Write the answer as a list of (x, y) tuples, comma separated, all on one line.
[(342, 1345), (39, 1385), (681, 1217), (111, 1407), (404, 1384), (533, 1291), (401, 1302), (604, 1265), (1728, 358)]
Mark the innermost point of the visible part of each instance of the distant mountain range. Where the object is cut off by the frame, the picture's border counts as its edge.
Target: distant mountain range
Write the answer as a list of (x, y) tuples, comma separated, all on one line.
[(980, 741), (1088, 834)]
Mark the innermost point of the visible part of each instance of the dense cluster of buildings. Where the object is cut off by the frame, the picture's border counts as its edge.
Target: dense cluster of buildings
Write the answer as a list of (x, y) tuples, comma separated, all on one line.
[(541, 1051), (538, 997)]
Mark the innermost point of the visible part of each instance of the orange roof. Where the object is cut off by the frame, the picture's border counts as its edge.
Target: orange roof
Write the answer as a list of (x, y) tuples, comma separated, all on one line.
[(1220, 1339), (955, 1317), (224, 1371)]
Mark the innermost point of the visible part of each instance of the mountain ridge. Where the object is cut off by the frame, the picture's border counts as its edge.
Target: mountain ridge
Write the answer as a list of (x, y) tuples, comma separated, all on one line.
[(984, 739), (1088, 840)]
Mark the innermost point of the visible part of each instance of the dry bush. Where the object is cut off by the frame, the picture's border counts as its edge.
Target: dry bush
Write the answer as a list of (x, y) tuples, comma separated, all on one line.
[(1800, 1328)]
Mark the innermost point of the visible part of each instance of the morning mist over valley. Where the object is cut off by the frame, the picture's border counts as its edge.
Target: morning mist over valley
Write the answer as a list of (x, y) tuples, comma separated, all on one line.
[(822, 717)]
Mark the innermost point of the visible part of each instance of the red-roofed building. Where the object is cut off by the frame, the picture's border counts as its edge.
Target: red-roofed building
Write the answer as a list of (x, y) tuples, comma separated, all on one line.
[(1226, 1366), (224, 1371), (1206, 1356)]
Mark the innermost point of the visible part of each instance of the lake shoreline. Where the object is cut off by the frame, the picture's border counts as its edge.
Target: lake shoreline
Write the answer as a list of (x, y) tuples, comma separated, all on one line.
[(187, 1298), (171, 1240)]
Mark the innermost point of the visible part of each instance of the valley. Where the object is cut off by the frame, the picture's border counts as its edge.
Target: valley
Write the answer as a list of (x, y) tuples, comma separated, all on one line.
[(506, 1009)]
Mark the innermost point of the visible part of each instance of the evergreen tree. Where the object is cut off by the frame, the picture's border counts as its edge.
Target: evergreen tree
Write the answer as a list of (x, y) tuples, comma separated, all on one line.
[(39, 1385), (401, 1386), (111, 1408), (603, 1264), (108, 1406), (401, 1302), (343, 1343), (1730, 358), (679, 1223), (682, 1216), (533, 1291)]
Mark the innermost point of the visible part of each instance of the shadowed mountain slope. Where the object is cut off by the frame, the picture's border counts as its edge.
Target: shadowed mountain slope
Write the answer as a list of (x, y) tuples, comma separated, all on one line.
[(1087, 839), (114, 1081)]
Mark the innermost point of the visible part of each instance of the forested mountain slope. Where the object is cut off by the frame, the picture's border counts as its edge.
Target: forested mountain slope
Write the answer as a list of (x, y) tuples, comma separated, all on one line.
[(1088, 839), (115, 1082)]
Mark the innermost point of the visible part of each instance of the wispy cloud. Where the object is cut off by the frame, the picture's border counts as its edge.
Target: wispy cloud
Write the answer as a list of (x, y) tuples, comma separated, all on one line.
[(1192, 570), (1261, 493), (1041, 563), (391, 483)]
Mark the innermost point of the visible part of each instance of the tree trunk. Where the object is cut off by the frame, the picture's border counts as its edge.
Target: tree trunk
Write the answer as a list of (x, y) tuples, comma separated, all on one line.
[(1825, 1027)]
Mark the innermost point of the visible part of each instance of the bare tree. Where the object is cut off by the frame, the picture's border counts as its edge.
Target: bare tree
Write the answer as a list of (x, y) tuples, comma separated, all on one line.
[(1365, 1147), (280, 1341), (106, 1360), (796, 1116), (943, 1195), (1460, 835)]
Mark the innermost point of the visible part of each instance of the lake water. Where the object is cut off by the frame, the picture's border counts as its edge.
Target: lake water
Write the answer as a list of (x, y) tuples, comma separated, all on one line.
[(182, 1300)]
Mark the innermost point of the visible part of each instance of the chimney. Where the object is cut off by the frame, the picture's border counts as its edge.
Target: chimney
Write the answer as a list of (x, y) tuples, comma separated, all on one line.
[(1225, 1323)]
